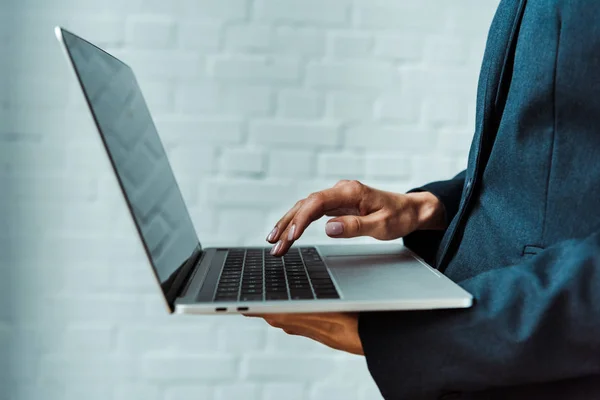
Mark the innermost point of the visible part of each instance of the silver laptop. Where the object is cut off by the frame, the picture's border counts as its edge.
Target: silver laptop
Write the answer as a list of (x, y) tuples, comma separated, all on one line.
[(197, 280)]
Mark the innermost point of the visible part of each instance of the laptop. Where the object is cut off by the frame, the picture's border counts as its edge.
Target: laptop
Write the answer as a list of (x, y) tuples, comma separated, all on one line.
[(225, 280)]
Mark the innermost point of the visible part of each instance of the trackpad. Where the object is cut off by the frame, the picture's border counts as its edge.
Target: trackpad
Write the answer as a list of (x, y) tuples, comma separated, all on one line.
[(380, 276)]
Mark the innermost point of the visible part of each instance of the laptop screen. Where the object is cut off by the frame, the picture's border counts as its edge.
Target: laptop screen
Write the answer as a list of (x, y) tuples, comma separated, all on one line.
[(138, 157)]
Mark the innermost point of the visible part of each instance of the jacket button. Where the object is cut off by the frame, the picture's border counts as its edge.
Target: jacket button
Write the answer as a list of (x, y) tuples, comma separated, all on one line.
[(469, 183)]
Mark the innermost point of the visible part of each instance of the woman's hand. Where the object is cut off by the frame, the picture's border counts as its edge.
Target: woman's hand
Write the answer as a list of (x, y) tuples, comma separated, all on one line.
[(336, 330), (360, 211)]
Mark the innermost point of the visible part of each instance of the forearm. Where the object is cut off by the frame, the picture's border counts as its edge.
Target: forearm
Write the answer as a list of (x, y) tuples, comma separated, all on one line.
[(532, 322)]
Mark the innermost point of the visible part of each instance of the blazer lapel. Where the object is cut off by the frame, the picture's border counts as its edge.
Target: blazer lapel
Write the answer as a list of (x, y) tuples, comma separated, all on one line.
[(494, 80), (500, 49)]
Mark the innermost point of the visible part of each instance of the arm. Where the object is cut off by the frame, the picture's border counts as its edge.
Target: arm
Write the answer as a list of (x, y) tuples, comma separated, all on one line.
[(533, 322), (426, 242)]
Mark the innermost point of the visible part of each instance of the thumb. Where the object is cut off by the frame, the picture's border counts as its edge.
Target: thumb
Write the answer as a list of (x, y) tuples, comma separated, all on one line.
[(350, 226)]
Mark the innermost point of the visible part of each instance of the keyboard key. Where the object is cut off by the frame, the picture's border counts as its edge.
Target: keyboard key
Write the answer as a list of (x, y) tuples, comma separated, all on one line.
[(226, 298), (251, 297), (327, 296), (301, 294), (277, 296)]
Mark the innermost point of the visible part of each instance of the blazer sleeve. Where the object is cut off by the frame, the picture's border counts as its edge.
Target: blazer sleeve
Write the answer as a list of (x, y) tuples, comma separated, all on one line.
[(533, 322), (426, 243)]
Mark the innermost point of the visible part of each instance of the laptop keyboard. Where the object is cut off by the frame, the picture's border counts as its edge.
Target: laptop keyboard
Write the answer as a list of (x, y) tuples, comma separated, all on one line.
[(255, 275)]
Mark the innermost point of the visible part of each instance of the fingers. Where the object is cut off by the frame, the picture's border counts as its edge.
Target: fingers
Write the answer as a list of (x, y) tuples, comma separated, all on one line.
[(350, 226), (282, 224), (345, 198)]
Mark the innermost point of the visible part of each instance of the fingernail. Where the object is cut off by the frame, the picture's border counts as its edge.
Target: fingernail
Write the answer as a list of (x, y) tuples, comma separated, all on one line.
[(334, 228), (275, 248), (272, 234), (291, 233)]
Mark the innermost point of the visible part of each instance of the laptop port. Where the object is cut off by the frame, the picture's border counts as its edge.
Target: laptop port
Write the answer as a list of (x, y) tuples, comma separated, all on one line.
[(220, 309), (242, 308)]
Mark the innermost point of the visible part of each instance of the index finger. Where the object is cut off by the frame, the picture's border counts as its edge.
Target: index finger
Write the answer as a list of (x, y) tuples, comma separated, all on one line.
[(317, 205)]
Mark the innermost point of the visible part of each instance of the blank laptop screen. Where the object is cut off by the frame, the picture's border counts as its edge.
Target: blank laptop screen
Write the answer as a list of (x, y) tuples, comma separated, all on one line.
[(138, 156)]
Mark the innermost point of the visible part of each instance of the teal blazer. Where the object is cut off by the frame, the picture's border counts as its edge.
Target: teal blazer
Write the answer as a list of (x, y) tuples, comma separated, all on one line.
[(524, 227)]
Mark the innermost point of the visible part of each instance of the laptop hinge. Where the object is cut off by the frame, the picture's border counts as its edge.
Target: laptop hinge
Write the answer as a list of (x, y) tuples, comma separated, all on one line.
[(181, 281)]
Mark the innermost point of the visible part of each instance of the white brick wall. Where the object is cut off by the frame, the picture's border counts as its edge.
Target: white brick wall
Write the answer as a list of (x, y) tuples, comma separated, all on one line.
[(259, 102)]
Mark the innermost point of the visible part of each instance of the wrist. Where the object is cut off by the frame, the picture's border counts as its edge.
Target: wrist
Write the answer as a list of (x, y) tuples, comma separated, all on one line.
[(430, 212)]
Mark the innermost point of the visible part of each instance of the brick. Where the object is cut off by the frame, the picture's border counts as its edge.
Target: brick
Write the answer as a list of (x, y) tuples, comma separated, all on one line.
[(200, 367), (28, 158), (249, 162), (298, 41), (277, 133), (300, 104), (29, 58), (431, 82), (248, 37), (293, 391), (196, 131), (255, 69), (103, 30), (210, 97), (406, 15), (87, 278), (195, 161), (322, 391), (369, 391), (374, 137), (329, 12), (242, 223), (50, 188), (159, 95), (399, 47), (456, 142), (398, 108), (156, 32), (163, 64), (178, 392), (294, 369), (350, 105), (48, 95), (246, 192), (145, 390), (478, 13), (33, 28), (355, 74), (249, 100), (446, 111), (230, 10), (351, 44), (447, 50), (240, 340), (133, 278), (388, 166), (246, 391), (199, 34), (202, 97), (86, 367), (92, 307), (37, 390), (91, 391), (350, 368), (432, 167), (171, 339), (341, 165), (291, 164)]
